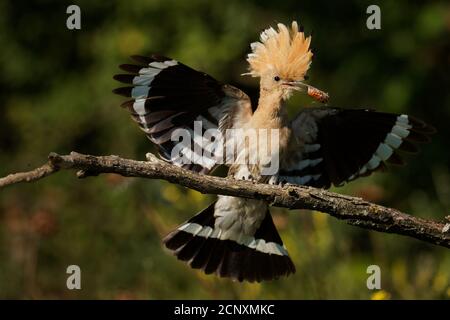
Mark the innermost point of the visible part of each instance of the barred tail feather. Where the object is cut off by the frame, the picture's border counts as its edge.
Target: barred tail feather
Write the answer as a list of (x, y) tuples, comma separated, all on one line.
[(257, 258)]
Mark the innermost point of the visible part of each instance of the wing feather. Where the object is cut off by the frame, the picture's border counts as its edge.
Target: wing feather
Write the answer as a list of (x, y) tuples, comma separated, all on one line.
[(167, 95), (352, 143)]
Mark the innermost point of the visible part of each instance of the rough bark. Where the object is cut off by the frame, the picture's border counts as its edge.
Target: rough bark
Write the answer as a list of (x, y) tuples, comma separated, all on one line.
[(354, 211)]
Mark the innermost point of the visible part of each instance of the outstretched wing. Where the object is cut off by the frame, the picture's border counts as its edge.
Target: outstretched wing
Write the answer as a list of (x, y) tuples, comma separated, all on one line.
[(167, 95), (334, 146)]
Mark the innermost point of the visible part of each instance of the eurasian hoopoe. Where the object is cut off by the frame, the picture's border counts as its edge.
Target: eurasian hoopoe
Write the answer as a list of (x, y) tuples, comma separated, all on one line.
[(321, 146)]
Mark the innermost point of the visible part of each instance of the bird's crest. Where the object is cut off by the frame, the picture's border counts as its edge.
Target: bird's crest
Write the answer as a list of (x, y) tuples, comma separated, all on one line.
[(284, 51)]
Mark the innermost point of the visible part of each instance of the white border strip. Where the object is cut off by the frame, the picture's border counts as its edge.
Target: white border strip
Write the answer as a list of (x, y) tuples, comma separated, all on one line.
[(257, 244)]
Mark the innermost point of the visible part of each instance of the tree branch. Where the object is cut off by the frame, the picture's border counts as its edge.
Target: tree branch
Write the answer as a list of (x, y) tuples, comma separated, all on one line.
[(29, 176), (354, 211)]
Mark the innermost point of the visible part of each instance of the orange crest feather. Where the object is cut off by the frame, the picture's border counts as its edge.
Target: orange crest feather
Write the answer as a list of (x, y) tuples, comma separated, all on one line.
[(284, 52)]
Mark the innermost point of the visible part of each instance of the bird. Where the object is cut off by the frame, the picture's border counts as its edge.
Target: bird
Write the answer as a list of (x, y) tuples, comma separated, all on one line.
[(322, 146)]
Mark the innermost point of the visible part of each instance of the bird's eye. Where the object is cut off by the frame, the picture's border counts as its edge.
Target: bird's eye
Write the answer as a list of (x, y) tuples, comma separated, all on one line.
[(276, 78)]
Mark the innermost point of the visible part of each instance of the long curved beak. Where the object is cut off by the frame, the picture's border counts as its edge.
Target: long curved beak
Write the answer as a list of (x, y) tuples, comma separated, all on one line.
[(313, 92)]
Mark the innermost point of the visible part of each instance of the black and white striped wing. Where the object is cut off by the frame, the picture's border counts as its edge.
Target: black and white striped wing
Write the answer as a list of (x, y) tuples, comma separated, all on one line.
[(334, 146), (167, 95)]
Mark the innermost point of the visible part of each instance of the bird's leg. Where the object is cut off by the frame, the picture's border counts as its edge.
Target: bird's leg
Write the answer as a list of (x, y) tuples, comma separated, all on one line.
[(275, 180), (241, 172), (245, 173), (151, 157)]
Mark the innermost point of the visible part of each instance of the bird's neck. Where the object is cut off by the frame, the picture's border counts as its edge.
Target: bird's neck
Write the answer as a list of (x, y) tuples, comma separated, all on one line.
[(270, 111)]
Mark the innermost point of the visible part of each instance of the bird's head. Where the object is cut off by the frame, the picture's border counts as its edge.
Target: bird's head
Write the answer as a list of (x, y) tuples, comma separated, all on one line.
[(281, 59)]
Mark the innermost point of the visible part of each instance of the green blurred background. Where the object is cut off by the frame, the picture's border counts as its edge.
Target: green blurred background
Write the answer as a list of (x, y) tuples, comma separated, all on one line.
[(55, 93)]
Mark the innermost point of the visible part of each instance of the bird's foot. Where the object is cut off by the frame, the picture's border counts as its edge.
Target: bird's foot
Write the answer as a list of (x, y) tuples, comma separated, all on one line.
[(276, 181)]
